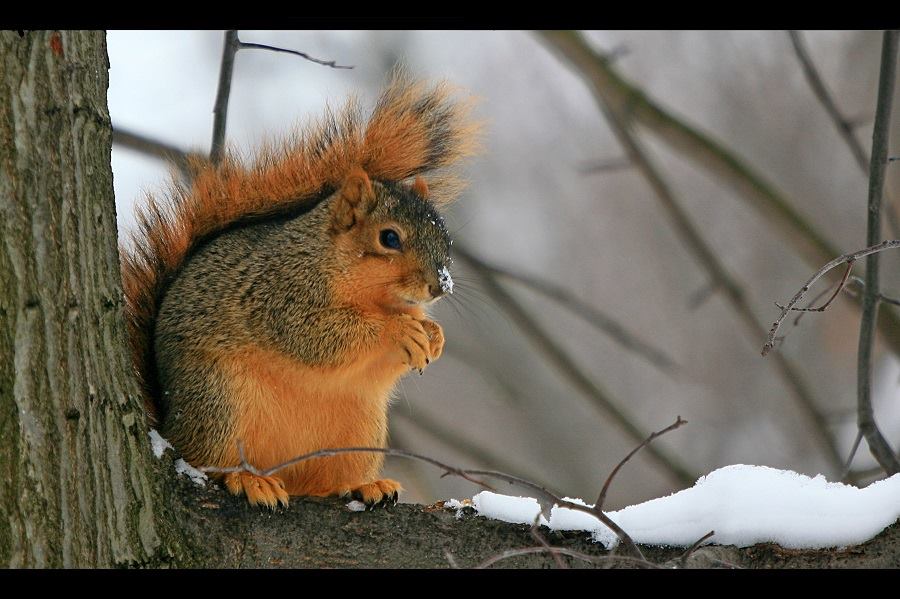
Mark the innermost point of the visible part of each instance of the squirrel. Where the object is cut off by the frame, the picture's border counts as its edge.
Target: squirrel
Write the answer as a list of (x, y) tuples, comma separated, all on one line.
[(277, 304)]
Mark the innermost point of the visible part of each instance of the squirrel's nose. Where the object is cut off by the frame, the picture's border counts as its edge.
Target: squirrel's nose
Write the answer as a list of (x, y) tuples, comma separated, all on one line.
[(435, 291)]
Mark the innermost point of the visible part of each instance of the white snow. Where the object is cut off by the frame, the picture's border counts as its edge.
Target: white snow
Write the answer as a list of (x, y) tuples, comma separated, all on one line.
[(158, 444), (182, 467), (744, 505), (445, 280), (356, 506)]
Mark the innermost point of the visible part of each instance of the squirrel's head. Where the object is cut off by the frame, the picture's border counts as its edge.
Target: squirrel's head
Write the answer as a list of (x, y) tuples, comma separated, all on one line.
[(393, 243)]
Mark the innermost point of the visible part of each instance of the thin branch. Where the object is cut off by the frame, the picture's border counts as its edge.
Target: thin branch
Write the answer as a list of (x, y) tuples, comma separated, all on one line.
[(878, 445), (843, 259), (859, 436), (880, 297), (229, 49), (824, 306), (844, 126), (544, 495), (537, 536), (594, 559), (153, 147), (450, 438), (817, 297), (707, 153), (602, 497), (718, 275), (563, 362), (690, 551), (327, 63), (586, 312)]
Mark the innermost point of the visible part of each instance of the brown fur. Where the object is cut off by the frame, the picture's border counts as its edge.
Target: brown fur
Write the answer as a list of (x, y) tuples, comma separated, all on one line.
[(414, 129), (287, 330)]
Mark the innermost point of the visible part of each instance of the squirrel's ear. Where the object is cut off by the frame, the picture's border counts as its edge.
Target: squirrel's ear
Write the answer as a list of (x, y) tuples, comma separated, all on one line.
[(352, 199), (420, 187)]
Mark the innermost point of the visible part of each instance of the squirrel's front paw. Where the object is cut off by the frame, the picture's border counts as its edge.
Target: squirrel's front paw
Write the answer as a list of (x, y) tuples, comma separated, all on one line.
[(265, 490), (412, 340), (435, 337)]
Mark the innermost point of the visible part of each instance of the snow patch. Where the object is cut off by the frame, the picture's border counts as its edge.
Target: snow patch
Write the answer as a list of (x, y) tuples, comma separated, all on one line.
[(445, 280), (745, 505), (182, 467), (158, 443), (356, 506)]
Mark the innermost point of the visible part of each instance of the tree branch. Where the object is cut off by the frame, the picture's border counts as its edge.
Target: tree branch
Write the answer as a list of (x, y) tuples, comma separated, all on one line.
[(878, 445), (720, 278), (679, 422), (229, 49), (588, 313), (844, 126), (707, 154), (153, 147), (843, 259), (328, 63), (544, 496), (563, 362)]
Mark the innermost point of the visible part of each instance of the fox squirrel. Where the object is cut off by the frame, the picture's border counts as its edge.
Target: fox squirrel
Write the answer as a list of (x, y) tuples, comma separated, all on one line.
[(278, 304)]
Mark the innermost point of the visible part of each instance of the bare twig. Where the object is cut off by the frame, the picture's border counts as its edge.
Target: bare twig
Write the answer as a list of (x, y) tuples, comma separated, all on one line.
[(561, 360), (328, 63), (588, 313), (679, 422), (220, 110), (824, 306), (880, 297), (707, 153), (594, 559), (878, 445), (843, 259), (537, 536), (690, 551), (544, 495), (846, 474), (452, 439), (450, 559)]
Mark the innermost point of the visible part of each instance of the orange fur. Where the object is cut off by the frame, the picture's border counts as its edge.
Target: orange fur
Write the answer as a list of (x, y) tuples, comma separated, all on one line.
[(415, 128), (291, 409)]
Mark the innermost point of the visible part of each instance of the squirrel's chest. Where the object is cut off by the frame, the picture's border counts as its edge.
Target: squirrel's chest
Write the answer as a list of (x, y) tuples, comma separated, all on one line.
[(284, 408)]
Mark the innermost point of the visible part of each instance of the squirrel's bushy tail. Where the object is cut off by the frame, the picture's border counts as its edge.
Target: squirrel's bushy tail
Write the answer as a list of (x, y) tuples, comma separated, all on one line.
[(415, 128)]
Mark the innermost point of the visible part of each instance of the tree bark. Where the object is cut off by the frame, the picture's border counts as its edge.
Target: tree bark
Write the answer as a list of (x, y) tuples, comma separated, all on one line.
[(77, 487)]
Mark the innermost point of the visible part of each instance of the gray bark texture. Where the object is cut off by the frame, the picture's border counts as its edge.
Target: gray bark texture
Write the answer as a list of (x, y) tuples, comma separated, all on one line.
[(79, 486)]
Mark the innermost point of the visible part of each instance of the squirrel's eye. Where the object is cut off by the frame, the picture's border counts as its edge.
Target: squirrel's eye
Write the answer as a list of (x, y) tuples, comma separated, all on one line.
[(389, 238)]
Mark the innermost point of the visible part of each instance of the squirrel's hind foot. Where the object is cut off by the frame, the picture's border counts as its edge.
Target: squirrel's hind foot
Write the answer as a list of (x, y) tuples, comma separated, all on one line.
[(379, 492), (260, 490)]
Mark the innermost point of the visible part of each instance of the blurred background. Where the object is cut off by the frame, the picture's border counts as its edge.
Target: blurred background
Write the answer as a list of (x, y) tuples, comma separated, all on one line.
[(583, 320)]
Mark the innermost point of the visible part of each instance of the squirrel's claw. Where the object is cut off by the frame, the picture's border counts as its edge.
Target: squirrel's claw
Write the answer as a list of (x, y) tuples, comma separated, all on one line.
[(379, 492), (260, 490)]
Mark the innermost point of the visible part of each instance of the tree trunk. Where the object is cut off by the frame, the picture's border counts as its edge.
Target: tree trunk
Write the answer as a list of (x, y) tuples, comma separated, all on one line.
[(74, 460), (79, 485)]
